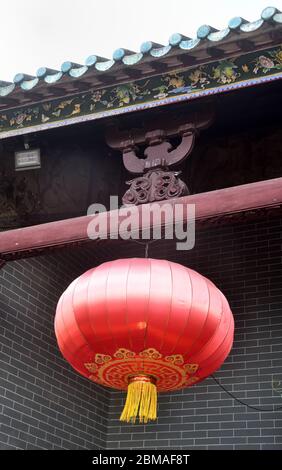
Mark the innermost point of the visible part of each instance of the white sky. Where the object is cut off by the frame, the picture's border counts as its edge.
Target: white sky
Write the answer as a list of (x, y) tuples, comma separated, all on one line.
[(37, 33)]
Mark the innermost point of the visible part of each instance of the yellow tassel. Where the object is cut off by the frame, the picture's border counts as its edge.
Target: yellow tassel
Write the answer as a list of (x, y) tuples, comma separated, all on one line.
[(141, 400)]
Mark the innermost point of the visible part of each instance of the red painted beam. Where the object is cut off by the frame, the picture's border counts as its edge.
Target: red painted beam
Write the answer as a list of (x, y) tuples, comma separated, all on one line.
[(33, 240)]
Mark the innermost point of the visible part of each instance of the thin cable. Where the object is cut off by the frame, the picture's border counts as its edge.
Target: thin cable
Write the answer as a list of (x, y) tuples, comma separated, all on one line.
[(146, 244), (240, 401), (146, 250)]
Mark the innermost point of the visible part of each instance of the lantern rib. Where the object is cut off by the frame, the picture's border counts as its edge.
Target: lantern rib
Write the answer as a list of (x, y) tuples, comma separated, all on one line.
[(188, 316), (63, 311), (215, 332), (213, 357), (170, 309), (61, 317), (148, 304), (60, 338), (126, 305), (87, 305), (77, 323), (208, 311), (208, 362), (107, 308)]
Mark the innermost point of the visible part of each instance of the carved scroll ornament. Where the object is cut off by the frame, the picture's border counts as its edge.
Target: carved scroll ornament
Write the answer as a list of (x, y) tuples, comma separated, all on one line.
[(157, 180)]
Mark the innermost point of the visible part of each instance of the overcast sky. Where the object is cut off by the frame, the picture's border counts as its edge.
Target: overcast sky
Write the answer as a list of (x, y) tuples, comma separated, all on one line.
[(36, 33)]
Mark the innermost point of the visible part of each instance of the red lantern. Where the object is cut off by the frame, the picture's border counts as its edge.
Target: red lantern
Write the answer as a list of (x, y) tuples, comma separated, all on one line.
[(144, 325)]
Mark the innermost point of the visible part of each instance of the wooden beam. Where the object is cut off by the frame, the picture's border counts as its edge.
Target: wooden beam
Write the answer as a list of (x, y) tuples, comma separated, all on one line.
[(215, 52), (5, 101), (132, 73), (30, 241)]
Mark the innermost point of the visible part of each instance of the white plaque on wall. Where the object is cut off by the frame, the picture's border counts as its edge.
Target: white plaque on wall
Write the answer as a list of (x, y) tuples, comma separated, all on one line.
[(27, 159)]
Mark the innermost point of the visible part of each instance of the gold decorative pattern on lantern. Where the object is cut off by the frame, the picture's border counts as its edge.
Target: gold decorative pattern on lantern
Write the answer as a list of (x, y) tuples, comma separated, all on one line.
[(115, 371), (150, 353), (191, 368), (102, 358), (91, 367), (175, 359), (191, 380), (124, 354)]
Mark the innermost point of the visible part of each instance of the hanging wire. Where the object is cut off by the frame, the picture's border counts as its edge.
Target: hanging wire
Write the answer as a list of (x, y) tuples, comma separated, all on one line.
[(146, 250), (240, 401), (145, 244)]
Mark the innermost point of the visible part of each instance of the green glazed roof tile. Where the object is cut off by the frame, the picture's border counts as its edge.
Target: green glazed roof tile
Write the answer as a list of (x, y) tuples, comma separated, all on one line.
[(6, 88), (29, 84), (54, 78), (278, 18), (189, 44), (268, 13), (132, 59), (218, 35), (250, 27), (160, 51), (103, 66), (235, 23), (76, 73)]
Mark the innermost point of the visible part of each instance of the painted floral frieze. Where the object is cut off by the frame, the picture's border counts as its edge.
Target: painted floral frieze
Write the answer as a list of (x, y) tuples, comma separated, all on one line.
[(206, 77)]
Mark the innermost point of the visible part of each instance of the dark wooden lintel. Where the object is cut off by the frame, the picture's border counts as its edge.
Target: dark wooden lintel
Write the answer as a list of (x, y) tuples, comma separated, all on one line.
[(105, 79), (6, 101), (187, 59), (80, 85), (159, 66), (276, 35), (215, 52), (133, 74), (34, 96), (31, 241), (245, 45), (54, 91)]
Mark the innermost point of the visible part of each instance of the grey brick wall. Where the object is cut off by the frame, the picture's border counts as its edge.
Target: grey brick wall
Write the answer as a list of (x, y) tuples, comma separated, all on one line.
[(244, 260), (44, 404)]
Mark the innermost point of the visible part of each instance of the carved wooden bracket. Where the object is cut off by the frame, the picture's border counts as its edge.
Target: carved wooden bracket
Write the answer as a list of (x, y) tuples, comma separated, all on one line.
[(159, 151), (157, 181)]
